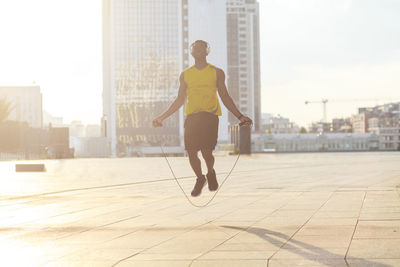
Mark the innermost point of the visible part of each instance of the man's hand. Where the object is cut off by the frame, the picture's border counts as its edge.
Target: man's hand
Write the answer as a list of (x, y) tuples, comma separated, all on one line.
[(157, 122), (244, 120)]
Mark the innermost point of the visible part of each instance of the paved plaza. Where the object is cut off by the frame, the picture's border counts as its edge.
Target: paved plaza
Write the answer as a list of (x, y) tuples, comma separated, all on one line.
[(317, 209)]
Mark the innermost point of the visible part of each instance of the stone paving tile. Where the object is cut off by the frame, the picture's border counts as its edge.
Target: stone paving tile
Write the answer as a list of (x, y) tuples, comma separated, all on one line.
[(21, 254), (379, 216), (85, 263), (229, 263), (378, 248), (322, 230), (337, 214), (102, 254), (333, 241), (332, 221), (184, 245), (310, 253), (378, 229), (283, 221), (239, 255), (154, 263), (307, 263), (235, 245), (246, 237), (165, 256), (367, 262), (393, 209)]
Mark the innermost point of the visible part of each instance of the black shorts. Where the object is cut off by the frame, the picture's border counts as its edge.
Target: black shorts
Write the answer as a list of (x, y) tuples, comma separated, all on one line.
[(201, 131)]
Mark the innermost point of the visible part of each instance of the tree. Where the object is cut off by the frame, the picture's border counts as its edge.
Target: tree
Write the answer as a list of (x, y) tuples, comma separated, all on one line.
[(5, 109), (303, 130)]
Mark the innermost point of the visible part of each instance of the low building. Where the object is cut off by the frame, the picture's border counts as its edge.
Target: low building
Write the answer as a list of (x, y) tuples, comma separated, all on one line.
[(19, 141), (93, 130), (90, 147), (341, 125), (276, 125), (58, 143), (320, 127), (387, 126), (384, 113), (51, 121), (324, 142), (26, 104), (77, 129), (389, 137), (360, 122)]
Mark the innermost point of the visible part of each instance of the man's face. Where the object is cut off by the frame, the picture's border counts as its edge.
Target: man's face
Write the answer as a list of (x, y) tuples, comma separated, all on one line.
[(199, 50)]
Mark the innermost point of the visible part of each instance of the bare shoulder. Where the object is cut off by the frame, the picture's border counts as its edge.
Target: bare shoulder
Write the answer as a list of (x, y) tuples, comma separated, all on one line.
[(216, 68), (219, 71)]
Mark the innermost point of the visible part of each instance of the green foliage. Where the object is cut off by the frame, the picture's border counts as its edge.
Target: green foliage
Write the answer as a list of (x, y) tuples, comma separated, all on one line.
[(5, 109), (303, 130)]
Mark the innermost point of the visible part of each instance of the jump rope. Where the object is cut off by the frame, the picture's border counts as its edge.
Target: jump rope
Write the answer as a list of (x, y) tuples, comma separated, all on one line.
[(227, 176), (219, 187)]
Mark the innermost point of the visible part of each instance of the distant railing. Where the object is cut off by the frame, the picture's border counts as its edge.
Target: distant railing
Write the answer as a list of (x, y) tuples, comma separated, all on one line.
[(11, 156), (5, 156)]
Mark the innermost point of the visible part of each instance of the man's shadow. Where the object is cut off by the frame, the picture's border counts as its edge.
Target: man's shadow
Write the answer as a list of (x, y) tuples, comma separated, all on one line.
[(305, 250)]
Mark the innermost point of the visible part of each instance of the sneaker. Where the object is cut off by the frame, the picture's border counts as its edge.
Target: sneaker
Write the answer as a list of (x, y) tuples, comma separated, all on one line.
[(200, 182), (212, 181)]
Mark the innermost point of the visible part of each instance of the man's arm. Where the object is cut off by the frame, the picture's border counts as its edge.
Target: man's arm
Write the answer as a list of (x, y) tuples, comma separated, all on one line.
[(227, 99), (178, 102)]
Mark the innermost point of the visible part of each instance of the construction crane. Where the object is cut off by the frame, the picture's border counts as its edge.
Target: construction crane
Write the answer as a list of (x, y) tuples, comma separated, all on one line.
[(325, 100)]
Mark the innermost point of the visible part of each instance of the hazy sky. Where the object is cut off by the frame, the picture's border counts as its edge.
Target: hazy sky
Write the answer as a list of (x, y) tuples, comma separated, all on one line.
[(310, 49), (58, 45), (334, 49)]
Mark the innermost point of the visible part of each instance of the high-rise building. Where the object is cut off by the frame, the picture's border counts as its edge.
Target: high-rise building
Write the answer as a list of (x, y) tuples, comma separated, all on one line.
[(244, 58), (26, 104), (142, 56), (206, 20)]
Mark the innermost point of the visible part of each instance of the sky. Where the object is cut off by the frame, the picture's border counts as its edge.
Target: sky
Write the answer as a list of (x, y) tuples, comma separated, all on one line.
[(342, 50)]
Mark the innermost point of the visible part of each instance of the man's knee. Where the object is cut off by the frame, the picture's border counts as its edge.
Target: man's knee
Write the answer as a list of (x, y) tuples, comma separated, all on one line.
[(207, 153), (192, 154)]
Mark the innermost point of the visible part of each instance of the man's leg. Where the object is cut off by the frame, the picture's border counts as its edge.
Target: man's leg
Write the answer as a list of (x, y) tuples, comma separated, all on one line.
[(209, 159), (196, 166), (195, 162), (211, 176)]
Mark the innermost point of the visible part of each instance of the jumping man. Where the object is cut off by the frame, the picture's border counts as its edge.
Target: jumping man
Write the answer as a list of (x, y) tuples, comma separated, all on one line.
[(199, 85)]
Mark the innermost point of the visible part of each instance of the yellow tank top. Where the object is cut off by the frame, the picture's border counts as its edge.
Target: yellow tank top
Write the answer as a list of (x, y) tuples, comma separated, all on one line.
[(201, 90)]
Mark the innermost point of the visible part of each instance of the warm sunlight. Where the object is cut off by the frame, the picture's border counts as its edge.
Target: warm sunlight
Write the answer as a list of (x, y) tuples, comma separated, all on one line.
[(199, 133), (56, 45)]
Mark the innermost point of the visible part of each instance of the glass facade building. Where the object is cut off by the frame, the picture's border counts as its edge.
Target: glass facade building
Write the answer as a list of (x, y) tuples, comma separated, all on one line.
[(142, 61), (244, 58)]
